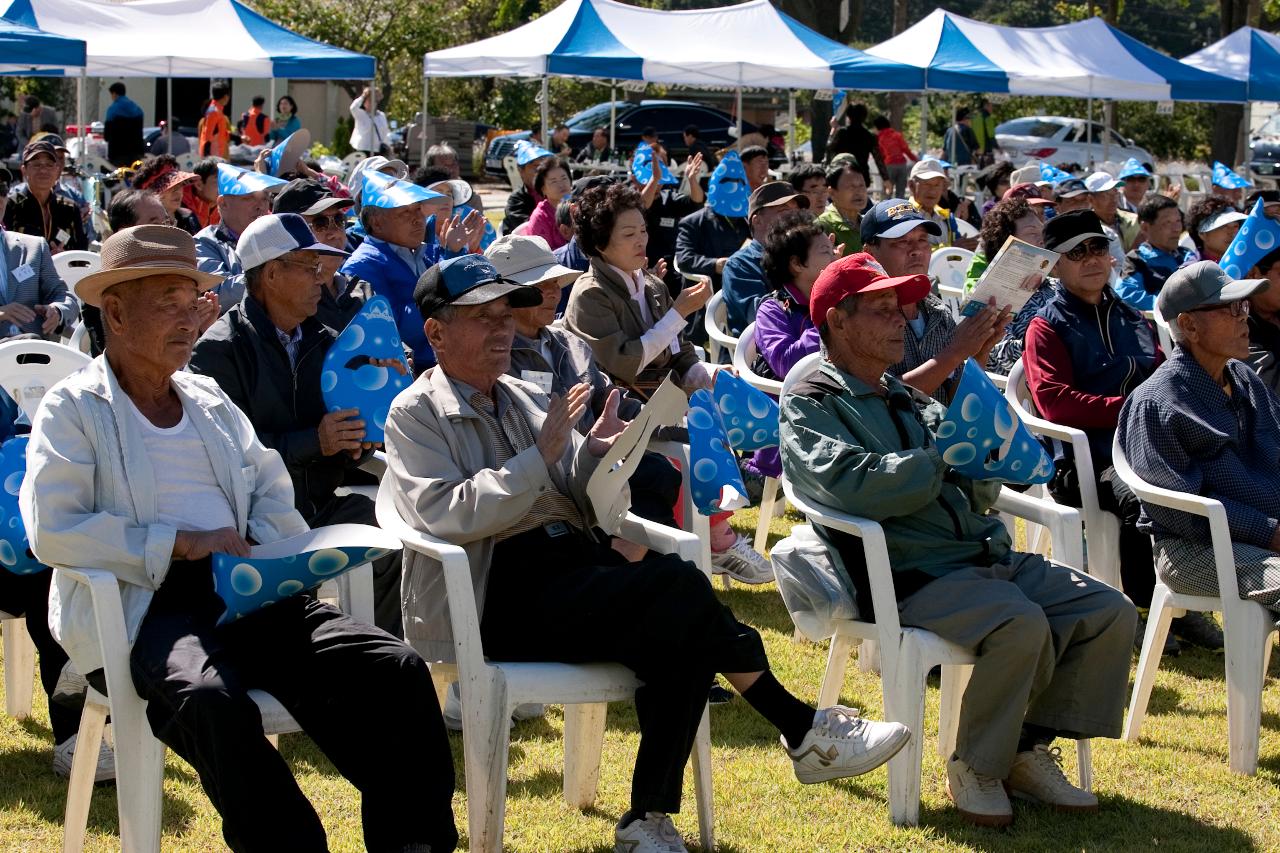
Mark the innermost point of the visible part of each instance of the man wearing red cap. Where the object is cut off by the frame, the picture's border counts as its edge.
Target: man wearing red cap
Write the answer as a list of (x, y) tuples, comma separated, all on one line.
[(1053, 645)]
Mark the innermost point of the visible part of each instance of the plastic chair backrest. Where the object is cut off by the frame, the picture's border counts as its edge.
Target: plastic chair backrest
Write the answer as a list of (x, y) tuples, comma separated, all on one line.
[(74, 265), (949, 266), (30, 368), (800, 370), (745, 355), (1162, 330)]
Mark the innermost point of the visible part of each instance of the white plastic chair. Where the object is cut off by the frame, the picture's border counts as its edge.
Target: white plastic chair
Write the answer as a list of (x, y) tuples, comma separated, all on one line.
[(139, 755), (1162, 329), (949, 265), (1247, 626), (492, 690), (74, 264), (1101, 527), (43, 364), (906, 655), (512, 171), (715, 321), (744, 355)]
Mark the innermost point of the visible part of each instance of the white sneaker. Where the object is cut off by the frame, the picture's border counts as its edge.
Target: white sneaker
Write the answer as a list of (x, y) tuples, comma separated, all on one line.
[(654, 833), (979, 799), (742, 562), (453, 710), (843, 744), (71, 687), (1037, 776), (65, 751)]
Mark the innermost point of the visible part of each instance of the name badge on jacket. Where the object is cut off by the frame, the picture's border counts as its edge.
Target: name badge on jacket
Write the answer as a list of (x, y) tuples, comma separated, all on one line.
[(541, 378), (23, 272)]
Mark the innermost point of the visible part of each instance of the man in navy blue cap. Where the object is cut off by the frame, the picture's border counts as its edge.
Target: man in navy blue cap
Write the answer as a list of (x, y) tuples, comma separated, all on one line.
[(898, 235)]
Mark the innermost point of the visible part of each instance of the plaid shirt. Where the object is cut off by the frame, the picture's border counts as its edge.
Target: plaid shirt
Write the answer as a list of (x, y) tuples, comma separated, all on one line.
[(1180, 430), (939, 329)]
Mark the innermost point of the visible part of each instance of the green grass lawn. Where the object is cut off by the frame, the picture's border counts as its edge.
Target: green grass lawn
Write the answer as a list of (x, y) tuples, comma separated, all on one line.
[(1171, 792)]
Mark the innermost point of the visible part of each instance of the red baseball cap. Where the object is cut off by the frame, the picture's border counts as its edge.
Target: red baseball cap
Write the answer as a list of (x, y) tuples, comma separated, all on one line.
[(860, 273), (1030, 192)]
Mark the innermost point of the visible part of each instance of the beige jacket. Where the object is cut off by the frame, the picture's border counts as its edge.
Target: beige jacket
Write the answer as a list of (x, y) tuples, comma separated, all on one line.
[(602, 313), (448, 485)]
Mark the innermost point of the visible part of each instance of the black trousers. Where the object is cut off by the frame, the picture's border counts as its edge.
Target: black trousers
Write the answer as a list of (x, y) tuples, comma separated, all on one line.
[(1137, 566), (572, 600), (363, 696), (655, 488), (28, 595), (357, 509)]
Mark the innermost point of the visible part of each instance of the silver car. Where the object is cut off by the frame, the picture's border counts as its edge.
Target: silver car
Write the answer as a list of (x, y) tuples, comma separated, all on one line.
[(1063, 142)]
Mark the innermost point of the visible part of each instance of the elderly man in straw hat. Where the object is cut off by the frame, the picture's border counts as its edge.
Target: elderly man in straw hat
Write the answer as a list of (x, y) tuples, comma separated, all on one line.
[(144, 470)]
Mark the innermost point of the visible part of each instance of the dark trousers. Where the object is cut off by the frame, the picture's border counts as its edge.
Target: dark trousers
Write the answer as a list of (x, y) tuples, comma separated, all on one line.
[(28, 595), (357, 509), (572, 600), (363, 696), (655, 488), (1137, 563)]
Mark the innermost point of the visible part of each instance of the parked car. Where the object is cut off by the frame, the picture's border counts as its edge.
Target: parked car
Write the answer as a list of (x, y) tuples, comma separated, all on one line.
[(1264, 148), (1063, 141), (669, 118)]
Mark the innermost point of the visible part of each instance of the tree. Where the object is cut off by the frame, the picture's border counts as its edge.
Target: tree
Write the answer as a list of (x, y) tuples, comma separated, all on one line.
[(842, 26), (1228, 118)]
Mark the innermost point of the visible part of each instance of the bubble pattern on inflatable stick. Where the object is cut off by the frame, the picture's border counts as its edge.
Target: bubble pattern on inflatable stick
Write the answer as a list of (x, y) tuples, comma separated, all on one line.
[(348, 379), (15, 551), (248, 584), (983, 438), (728, 192), (1259, 235)]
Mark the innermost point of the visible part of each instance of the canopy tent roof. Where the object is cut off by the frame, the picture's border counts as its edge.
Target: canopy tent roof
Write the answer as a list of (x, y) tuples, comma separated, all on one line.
[(26, 50), (1088, 58), (186, 38), (751, 44), (1248, 55)]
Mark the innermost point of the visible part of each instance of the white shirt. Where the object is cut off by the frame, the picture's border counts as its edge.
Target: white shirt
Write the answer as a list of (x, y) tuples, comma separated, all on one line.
[(369, 132), (187, 492), (664, 334)]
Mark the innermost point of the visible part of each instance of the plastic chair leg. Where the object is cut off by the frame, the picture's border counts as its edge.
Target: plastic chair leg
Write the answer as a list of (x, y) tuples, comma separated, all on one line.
[(703, 792), (19, 668), (904, 703), (486, 740), (869, 657), (1084, 760), (84, 766), (833, 679), (955, 679), (583, 742), (767, 503), (1247, 633), (1158, 619)]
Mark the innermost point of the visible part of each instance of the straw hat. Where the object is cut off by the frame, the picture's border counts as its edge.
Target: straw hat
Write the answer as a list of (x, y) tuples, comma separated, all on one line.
[(144, 250)]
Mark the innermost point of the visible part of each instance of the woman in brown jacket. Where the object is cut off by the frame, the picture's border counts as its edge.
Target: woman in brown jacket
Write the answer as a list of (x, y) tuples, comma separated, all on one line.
[(636, 330)]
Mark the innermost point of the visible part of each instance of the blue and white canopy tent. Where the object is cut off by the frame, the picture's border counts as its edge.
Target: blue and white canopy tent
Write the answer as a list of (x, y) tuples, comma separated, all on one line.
[(1086, 59), (1249, 56), (748, 45), (184, 38), (28, 51)]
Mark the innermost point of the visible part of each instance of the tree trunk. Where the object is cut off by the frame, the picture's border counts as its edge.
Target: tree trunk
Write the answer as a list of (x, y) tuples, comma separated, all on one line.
[(1225, 141), (898, 100)]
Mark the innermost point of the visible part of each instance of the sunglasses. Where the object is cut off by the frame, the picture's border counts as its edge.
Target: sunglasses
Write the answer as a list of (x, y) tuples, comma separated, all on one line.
[(1095, 246), (1239, 308), (323, 223)]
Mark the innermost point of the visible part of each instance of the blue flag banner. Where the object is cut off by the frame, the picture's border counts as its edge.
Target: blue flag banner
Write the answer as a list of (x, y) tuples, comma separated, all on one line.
[(15, 551), (1259, 236), (983, 438), (349, 379), (1227, 179), (282, 569), (728, 192)]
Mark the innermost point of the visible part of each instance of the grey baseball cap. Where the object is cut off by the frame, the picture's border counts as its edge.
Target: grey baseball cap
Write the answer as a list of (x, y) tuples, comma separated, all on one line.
[(1203, 285)]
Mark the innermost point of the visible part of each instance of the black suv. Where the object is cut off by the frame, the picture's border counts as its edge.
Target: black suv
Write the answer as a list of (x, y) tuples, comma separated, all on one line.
[(1264, 148), (669, 118)]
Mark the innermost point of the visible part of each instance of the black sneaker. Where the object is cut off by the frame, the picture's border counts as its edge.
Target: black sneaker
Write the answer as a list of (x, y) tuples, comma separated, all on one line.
[(719, 695), (1198, 629), (1171, 647)]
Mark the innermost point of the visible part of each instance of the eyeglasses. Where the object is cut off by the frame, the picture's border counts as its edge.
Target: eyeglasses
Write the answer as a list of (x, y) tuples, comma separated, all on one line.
[(323, 223), (316, 267), (1095, 246), (1239, 308)]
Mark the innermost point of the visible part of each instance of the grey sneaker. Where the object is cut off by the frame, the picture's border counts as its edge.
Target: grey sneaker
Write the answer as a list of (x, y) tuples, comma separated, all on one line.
[(654, 833), (71, 687), (979, 799), (743, 563), (1037, 776), (64, 752), (453, 710), (842, 744)]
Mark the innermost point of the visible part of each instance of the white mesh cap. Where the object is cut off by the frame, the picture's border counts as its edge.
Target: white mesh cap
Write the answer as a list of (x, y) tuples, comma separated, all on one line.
[(276, 235)]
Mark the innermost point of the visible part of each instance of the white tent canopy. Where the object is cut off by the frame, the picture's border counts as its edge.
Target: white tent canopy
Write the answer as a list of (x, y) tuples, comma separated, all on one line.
[(1249, 55)]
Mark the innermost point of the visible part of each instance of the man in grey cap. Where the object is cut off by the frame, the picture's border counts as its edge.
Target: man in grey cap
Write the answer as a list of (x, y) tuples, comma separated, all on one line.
[(1206, 424), (744, 282)]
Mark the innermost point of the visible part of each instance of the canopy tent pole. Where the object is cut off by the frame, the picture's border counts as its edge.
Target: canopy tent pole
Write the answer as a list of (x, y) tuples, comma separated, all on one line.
[(271, 104), (546, 129), (423, 125), (739, 108), (924, 122), (1106, 130), (168, 98), (1088, 133), (791, 135), (80, 81), (950, 153), (613, 117)]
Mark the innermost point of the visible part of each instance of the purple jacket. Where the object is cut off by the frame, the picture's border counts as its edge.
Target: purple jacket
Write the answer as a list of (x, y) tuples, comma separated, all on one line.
[(784, 332)]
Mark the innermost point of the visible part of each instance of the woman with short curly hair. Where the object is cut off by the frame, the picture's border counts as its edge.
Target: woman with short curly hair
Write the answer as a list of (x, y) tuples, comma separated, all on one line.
[(1212, 223), (161, 175)]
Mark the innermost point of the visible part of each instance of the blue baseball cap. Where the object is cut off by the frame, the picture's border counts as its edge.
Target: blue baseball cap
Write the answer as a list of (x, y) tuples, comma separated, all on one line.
[(379, 190), (526, 152), (1070, 188), (894, 217), (233, 180), (469, 280)]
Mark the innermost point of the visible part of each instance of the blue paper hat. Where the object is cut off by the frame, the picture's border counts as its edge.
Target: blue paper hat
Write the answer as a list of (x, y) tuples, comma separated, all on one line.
[(15, 551), (749, 416), (642, 167), (1132, 169), (943, 163), (728, 192), (1259, 236), (983, 438), (712, 465), (1227, 179), (379, 190), (349, 381), (288, 152), (1052, 174), (526, 152), (232, 180)]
